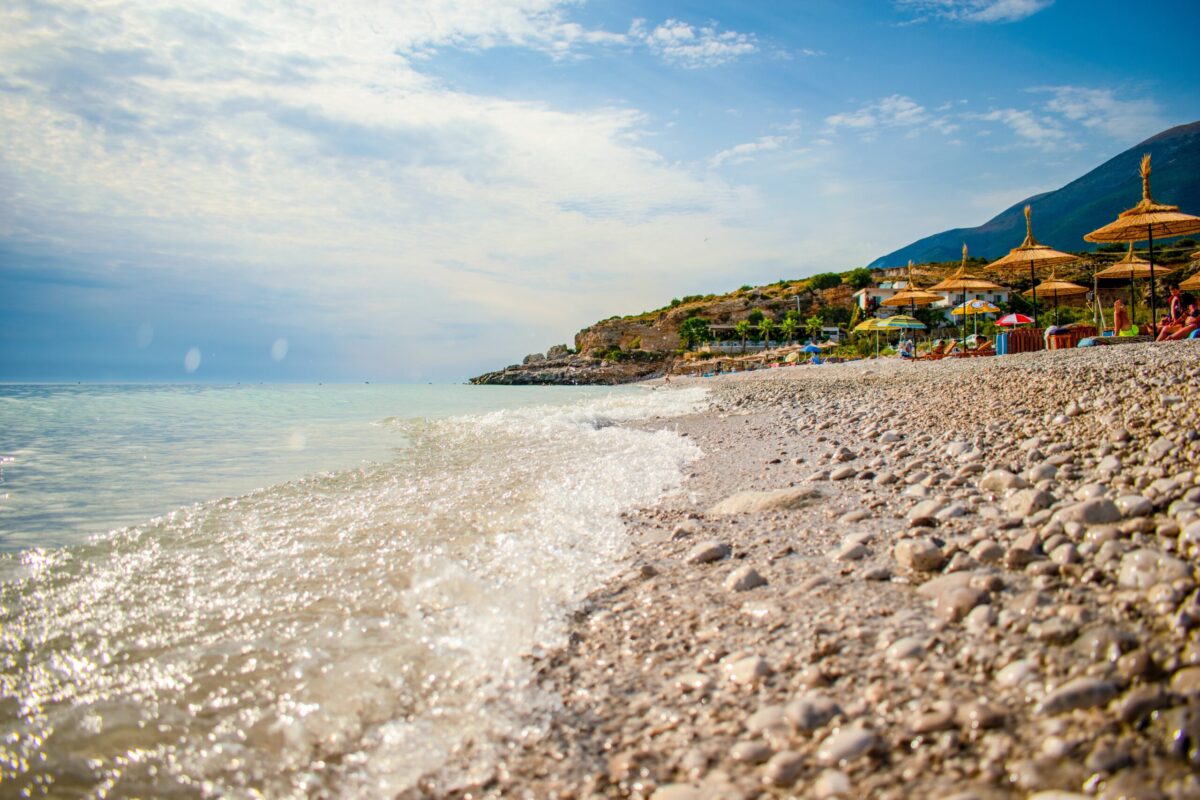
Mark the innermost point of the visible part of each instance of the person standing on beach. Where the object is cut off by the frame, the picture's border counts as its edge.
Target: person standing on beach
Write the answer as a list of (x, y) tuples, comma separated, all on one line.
[(1121, 320)]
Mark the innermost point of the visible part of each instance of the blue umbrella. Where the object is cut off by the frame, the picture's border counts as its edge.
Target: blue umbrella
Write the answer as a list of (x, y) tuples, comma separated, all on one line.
[(811, 348)]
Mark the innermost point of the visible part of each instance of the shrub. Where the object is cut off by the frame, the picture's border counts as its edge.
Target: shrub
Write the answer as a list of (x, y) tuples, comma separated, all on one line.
[(859, 278), (824, 280)]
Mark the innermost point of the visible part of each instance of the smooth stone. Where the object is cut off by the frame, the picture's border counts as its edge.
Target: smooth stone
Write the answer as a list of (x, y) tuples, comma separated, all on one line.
[(778, 500), (811, 711), (678, 791), (1134, 505), (1139, 703), (932, 722), (918, 555), (905, 648), (1025, 502), (843, 473), (831, 783), (693, 682), (756, 752), (925, 511), (980, 716), (766, 717), (1076, 694), (744, 579), (846, 745), (955, 603), (987, 552), (850, 552), (1186, 681), (1141, 569), (783, 768), (707, 552), (999, 481), (1096, 511), (748, 670)]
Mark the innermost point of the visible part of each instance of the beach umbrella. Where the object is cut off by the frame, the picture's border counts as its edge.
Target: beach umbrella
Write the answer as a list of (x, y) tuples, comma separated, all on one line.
[(1053, 287), (912, 295), (1031, 255), (963, 281), (1014, 319), (1191, 284), (1142, 222), (1131, 267), (873, 324), (812, 348), (973, 308)]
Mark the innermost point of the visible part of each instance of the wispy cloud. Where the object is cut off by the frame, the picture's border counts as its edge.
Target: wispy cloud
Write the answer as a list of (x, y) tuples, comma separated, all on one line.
[(1103, 110), (895, 111), (1030, 128), (973, 10), (741, 153), (688, 46)]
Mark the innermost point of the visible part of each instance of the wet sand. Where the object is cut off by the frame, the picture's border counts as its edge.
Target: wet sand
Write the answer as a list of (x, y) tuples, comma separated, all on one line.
[(968, 578)]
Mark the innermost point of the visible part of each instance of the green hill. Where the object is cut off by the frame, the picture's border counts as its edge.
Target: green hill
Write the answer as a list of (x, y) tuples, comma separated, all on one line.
[(1062, 217)]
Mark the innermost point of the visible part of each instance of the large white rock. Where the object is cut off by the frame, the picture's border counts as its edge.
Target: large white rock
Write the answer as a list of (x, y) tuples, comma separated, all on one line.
[(751, 501), (1144, 568)]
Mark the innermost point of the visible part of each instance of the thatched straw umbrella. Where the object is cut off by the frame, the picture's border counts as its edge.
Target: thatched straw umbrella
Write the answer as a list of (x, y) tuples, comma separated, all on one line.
[(1140, 222), (1031, 255), (1053, 287), (1132, 267), (962, 281), (912, 295), (1191, 284)]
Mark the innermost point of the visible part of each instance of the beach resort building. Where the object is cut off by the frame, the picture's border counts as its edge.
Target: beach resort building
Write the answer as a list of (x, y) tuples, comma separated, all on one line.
[(870, 300)]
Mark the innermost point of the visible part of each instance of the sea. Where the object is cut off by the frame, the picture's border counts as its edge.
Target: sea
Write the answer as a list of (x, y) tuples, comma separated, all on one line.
[(300, 591)]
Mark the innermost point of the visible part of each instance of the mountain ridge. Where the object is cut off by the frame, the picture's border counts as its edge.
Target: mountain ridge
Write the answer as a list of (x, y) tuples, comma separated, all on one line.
[(1061, 217)]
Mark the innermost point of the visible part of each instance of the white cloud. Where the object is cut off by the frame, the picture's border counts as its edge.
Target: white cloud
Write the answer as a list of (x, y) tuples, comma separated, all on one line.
[(681, 43), (896, 111), (974, 10), (741, 153), (1032, 129), (1102, 110), (303, 157)]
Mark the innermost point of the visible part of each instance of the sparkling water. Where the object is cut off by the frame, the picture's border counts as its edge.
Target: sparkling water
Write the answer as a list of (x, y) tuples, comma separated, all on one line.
[(324, 591)]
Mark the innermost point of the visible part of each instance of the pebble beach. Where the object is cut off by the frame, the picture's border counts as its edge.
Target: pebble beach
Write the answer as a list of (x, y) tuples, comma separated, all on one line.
[(971, 578)]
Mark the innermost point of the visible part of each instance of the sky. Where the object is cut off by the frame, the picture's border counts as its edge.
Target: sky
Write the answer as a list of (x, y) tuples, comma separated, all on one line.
[(423, 190)]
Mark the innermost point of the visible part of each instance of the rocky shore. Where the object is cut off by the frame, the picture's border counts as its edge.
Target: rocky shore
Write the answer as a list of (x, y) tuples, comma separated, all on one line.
[(565, 368), (961, 579)]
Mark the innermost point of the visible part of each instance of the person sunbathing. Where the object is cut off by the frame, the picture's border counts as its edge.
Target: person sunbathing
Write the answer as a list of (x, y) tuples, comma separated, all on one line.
[(1121, 320), (1184, 328)]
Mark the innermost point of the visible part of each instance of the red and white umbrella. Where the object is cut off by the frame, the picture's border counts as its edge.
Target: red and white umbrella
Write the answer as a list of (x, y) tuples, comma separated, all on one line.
[(1009, 320)]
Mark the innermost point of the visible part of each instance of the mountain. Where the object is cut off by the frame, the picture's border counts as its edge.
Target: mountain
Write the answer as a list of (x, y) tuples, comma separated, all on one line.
[(1062, 217)]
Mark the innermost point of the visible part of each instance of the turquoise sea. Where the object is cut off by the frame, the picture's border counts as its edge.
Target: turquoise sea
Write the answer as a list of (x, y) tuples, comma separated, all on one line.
[(298, 591)]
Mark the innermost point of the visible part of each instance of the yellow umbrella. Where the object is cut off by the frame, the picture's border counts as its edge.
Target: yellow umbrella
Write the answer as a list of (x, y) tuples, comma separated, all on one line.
[(1140, 222), (873, 324), (1053, 287), (973, 307), (963, 281), (1032, 255), (912, 295), (1132, 267)]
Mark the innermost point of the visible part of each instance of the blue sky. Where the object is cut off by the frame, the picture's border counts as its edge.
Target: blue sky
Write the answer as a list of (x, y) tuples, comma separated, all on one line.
[(422, 190)]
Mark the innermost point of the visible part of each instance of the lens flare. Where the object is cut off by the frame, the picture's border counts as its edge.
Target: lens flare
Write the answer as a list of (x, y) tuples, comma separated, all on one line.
[(191, 362), (279, 349)]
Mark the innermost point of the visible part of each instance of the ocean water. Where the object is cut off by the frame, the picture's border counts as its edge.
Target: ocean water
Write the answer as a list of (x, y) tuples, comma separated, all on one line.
[(298, 591)]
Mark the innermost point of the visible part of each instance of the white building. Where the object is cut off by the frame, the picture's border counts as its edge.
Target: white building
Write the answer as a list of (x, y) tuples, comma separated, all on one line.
[(870, 300)]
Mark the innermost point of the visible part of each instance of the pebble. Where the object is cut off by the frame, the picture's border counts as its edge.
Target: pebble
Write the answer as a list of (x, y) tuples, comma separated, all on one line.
[(1025, 502), (748, 671), (1000, 481), (766, 717), (707, 552), (752, 501), (846, 745), (1143, 568), (1186, 681), (905, 648), (744, 579), (954, 603), (851, 551), (811, 711), (918, 555), (831, 783), (842, 473), (693, 682), (1134, 505), (783, 768), (1076, 694), (755, 752), (1096, 511)]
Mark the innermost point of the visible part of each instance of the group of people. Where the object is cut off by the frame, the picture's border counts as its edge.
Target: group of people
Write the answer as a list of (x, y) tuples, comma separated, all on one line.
[(1183, 317)]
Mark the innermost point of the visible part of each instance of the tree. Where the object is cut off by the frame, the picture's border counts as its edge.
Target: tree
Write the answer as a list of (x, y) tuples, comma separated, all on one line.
[(756, 316), (764, 328), (693, 331), (742, 329), (812, 327), (859, 278), (787, 328), (824, 280)]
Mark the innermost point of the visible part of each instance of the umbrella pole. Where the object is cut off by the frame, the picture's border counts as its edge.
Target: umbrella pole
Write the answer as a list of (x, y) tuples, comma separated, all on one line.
[(964, 322), (1033, 285), (1132, 301), (1056, 309), (1153, 302)]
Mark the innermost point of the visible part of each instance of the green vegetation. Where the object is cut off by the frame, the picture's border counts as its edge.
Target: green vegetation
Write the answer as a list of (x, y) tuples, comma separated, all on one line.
[(824, 280), (859, 278), (787, 328), (742, 329), (765, 327), (694, 331), (812, 326)]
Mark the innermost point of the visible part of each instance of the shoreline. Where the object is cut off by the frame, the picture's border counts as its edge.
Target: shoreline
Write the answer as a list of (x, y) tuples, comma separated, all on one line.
[(957, 593)]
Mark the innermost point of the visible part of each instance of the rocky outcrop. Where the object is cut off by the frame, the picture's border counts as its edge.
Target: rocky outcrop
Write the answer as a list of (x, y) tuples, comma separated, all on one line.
[(577, 370)]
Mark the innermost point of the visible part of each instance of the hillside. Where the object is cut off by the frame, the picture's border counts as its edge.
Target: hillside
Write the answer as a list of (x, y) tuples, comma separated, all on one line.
[(1062, 217)]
